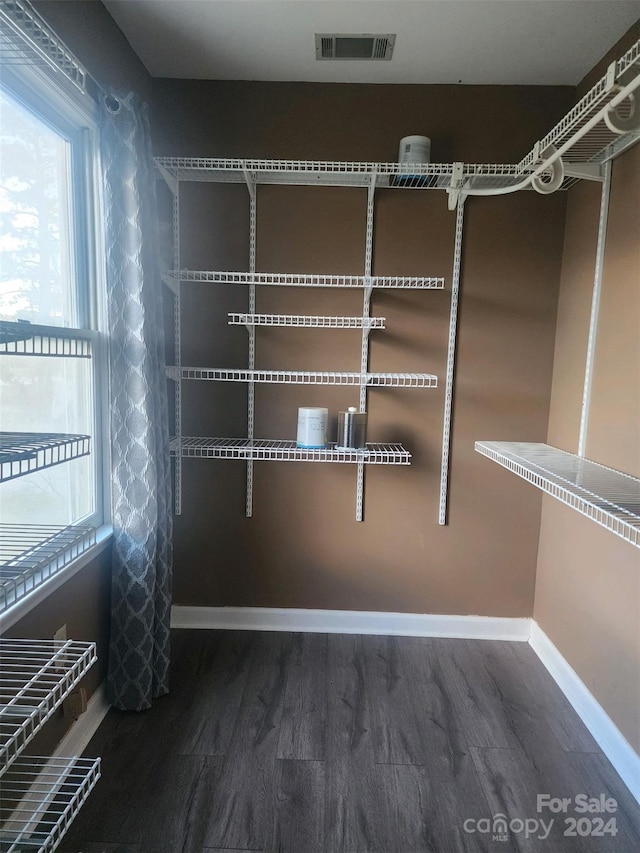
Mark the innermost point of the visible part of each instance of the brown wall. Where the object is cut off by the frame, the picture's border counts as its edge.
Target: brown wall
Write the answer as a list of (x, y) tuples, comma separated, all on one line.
[(588, 580), (303, 548), (83, 602)]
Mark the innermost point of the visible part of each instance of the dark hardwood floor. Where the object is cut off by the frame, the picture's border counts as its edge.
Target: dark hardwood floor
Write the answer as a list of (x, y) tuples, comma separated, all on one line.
[(315, 743)]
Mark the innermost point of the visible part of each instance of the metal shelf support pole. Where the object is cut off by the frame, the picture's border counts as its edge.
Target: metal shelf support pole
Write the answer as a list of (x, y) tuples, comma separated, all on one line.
[(595, 310), (251, 392), (177, 342), (451, 363), (364, 350)]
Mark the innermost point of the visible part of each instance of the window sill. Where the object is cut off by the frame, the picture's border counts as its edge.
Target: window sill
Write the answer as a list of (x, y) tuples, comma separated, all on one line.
[(15, 612)]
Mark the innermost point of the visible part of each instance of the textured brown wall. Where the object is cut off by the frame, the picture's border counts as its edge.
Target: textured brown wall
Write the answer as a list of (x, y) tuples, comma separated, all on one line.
[(303, 548), (588, 580)]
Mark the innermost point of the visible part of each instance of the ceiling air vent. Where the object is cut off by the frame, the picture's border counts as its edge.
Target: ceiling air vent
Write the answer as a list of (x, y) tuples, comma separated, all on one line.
[(354, 46)]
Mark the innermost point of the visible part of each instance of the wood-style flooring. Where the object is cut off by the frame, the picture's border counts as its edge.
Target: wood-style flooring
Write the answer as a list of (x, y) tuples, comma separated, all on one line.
[(316, 743)]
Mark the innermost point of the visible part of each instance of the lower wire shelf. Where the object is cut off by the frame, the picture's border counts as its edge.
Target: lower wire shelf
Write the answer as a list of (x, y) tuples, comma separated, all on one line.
[(35, 678), (286, 451), (610, 498), (40, 797), (31, 553)]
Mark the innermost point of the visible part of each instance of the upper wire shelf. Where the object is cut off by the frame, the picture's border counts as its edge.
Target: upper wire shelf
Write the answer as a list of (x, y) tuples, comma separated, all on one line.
[(26, 39), (35, 678), (24, 452), (606, 496), (41, 799), (597, 129), (32, 553), (306, 321), (18, 338), (307, 280), (286, 451), (306, 377)]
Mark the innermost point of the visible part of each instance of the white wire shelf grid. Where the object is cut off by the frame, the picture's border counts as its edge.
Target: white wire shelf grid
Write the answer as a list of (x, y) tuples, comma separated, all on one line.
[(606, 496), (35, 678), (306, 321), (27, 339), (582, 130), (306, 377), (32, 553), (24, 452), (308, 280), (334, 173), (286, 451), (600, 143), (26, 39), (41, 798)]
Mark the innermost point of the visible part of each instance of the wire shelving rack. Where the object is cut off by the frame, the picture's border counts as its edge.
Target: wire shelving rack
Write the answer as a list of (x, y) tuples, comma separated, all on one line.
[(606, 496), (306, 377), (287, 451), (25, 452), (30, 339), (39, 799), (32, 553), (383, 282), (306, 321), (35, 678)]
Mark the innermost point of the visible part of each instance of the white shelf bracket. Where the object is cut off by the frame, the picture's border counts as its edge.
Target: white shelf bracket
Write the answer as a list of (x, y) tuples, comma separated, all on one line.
[(170, 180), (584, 171), (250, 179), (454, 191), (595, 311)]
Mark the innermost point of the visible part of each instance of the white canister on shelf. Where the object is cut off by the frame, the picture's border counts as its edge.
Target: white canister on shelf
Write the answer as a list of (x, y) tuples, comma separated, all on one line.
[(414, 149), (312, 427)]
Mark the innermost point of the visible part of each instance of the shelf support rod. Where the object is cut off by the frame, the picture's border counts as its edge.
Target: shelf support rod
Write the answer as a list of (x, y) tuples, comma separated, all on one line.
[(251, 392), (366, 313), (177, 356), (595, 310), (451, 363)]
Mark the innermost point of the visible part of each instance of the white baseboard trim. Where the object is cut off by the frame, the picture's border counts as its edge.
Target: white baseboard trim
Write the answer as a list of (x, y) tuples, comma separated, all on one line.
[(76, 739), (604, 731), (350, 622)]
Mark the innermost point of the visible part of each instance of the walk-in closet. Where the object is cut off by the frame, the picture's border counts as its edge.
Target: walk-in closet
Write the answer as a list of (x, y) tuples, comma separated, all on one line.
[(320, 426)]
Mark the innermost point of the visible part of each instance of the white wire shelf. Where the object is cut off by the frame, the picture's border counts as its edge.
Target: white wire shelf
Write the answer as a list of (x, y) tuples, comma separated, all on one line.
[(306, 321), (40, 798), (24, 452), (35, 677), (606, 496), (286, 451), (27, 339), (600, 143), (31, 553), (306, 377), (26, 39), (307, 280), (305, 172)]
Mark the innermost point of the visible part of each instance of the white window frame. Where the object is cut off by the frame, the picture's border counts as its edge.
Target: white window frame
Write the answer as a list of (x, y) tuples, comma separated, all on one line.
[(74, 114)]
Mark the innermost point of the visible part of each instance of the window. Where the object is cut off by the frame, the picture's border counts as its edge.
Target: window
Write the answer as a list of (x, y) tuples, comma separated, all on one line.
[(52, 364)]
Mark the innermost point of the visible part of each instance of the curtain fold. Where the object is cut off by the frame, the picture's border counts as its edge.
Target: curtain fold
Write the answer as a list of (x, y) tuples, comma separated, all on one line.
[(141, 503)]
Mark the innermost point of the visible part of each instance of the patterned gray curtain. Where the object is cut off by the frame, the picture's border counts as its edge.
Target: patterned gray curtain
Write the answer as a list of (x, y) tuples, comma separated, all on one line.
[(142, 523)]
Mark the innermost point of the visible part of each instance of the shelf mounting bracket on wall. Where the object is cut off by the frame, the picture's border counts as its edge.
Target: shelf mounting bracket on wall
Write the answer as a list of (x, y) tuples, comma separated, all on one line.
[(454, 191), (366, 314), (250, 179), (451, 363)]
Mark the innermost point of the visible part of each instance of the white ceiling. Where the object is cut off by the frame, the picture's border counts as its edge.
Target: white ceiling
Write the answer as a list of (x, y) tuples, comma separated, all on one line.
[(545, 42)]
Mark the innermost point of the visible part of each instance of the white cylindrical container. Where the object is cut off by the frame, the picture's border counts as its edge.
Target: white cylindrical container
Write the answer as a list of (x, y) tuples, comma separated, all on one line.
[(312, 427), (415, 149)]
